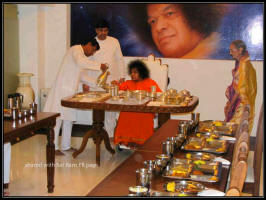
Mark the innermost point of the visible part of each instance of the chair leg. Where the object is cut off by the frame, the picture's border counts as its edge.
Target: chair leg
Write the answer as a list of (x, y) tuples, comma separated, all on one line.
[(248, 188)]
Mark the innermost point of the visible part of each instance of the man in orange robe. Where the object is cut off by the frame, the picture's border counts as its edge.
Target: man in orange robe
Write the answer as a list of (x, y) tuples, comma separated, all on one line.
[(135, 127)]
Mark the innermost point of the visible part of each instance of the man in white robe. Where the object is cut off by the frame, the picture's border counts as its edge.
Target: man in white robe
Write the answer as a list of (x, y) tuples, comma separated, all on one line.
[(66, 84), (110, 53)]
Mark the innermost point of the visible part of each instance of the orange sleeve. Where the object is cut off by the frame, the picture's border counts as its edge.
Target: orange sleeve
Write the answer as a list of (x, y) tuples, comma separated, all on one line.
[(124, 85), (158, 89)]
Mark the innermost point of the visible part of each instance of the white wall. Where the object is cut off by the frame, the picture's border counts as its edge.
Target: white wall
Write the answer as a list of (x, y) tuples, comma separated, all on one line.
[(44, 38)]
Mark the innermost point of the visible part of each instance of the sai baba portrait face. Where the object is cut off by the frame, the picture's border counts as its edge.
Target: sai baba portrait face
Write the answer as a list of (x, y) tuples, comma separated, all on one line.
[(189, 30)]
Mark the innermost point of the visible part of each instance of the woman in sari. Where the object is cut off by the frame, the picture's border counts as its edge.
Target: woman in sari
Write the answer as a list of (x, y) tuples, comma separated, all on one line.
[(243, 88), (135, 127)]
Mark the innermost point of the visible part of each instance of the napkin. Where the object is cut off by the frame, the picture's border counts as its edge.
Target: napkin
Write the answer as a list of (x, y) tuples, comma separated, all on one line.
[(222, 160), (211, 192), (224, 137)]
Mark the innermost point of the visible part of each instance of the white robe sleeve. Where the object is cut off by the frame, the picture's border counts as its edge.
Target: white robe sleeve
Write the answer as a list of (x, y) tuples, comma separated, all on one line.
[(82, 61), (84, 78)]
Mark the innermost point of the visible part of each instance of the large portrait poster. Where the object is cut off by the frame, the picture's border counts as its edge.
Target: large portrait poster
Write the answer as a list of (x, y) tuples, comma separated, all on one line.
[(198, 31)]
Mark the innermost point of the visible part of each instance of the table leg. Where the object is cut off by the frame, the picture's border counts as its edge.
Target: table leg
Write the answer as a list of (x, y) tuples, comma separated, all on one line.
[(50, 157), (100, 134), (106, 140), (162, 118), (84, 143)]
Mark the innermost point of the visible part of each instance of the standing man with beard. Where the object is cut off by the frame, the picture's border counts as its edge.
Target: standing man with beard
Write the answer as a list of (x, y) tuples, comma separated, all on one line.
[(111, 54)]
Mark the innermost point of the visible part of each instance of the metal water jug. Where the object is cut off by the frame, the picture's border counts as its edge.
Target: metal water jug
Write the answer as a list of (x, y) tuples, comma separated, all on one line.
[(18, 100), (101, 80), (10, 101)]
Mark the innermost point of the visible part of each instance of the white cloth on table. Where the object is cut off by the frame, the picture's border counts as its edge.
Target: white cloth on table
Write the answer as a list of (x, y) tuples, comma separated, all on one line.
[(222, 160), (7, 158), (211, 192)]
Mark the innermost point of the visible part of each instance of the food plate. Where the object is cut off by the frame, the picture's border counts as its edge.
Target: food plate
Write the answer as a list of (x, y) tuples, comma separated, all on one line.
[(217, 127), (197, 170), (90, 96), (216, 146), (185, 187), (200, 156), (224, 130), (213, 135)]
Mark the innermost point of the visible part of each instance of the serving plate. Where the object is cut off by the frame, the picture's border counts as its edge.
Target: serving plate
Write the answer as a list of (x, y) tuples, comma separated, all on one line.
[(183, 186), (212, 135), (197, 170), (217, 127), (200, 156), (209, 145)]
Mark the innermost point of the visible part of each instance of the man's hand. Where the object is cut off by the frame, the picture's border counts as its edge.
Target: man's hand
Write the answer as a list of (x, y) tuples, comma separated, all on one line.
[(122, 80), (85, 88), (114, 82), (103, 67)]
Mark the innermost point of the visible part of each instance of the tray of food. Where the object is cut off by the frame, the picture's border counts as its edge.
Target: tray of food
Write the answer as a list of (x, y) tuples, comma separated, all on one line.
[(188, 188), (154, 193), (218, 127), (93, 96), (211, 135), (200, 156), (203, 144), (197, 170)]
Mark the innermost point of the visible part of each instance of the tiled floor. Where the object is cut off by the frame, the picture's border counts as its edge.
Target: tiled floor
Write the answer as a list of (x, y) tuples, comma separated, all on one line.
[(73, 177)]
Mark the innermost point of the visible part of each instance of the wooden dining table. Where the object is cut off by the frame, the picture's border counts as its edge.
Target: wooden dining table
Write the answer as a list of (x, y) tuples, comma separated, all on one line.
[(15, 130), (98, 133), (124, 176)]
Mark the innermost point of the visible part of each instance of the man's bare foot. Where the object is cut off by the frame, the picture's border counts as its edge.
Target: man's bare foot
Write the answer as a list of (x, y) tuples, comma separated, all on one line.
[(59, 153), (71, 149)]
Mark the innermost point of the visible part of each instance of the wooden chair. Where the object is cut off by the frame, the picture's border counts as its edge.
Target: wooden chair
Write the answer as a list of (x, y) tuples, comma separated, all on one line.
[(243, 120), (241, 148), (239, 165), (158, 71), (252, 183), (242, 137), (232, 192)]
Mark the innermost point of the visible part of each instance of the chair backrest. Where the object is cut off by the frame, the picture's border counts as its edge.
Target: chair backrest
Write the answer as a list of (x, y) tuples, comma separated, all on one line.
[(240, 155), (242, 140), (233, 191), (239, 170), (244, 120), (258, 151), (158, 71)]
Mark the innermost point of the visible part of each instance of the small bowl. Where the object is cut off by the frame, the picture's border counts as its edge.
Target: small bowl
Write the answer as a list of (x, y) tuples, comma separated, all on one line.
[(172, 91), (138, 190), (20, 114), (25, 112), (150, 165), (161, 194), (180, 137), (163, 157)]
